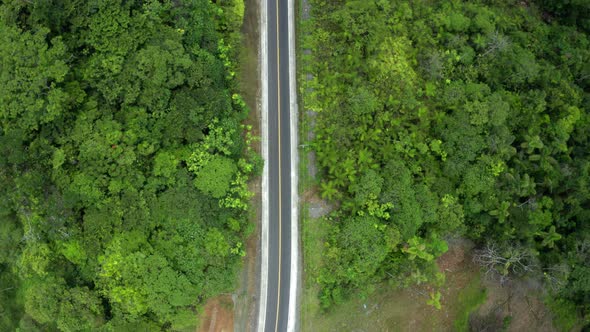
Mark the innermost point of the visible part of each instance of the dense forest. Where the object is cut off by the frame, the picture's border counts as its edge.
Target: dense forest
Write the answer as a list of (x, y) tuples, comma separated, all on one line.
[(446, 118), (123, 162)]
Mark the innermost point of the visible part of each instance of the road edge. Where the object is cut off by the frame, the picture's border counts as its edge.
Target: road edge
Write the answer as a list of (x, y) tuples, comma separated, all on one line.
[(295, 271), (264, 240)]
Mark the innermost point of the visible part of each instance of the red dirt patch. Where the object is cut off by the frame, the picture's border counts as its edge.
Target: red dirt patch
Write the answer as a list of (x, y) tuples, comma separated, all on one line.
[(218, 315), (452, 260)]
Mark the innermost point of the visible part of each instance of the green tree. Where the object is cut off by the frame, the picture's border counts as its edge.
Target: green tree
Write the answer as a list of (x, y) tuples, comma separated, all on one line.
[(214, 178)]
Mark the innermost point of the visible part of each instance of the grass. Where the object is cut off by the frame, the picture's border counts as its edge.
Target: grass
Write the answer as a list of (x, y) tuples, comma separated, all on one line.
[(312, 259), (311, 230), (469, 299), (306, 181), (391, 309)]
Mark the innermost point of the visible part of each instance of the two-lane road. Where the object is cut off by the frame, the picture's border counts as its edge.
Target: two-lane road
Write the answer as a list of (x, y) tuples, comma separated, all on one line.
[(279, 241)]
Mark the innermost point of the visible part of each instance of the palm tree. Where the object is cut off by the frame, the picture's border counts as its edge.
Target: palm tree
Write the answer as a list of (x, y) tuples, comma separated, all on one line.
[(329, 191)]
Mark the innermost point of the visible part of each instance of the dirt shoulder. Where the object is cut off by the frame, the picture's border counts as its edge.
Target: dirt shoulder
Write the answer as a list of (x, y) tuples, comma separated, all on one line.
[(246, 295), (218, 315)]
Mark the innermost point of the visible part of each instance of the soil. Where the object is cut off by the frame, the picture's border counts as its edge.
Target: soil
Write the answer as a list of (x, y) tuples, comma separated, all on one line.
[(391, 309), (245, 296), (517, 301), (455, 258), (218, 315)]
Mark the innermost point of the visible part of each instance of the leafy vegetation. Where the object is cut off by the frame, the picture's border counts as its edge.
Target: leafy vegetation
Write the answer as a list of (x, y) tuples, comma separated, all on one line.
[(469, 298), (565, 312), (438, 118), (122, 163)]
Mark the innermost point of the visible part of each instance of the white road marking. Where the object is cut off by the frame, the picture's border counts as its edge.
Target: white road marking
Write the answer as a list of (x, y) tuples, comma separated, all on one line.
[(280, 171), (294, 281), (264, 139), (294, 278)]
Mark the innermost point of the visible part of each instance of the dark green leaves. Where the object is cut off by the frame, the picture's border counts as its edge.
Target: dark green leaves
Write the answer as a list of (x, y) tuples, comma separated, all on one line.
[(102, 104), (450, 118)]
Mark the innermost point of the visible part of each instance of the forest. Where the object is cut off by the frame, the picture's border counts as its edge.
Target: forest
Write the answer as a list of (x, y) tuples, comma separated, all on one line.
[(438, 119), (123, 162)]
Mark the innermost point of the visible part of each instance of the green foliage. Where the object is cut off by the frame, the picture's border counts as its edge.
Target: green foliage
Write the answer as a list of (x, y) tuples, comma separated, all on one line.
[(435, 300), (447, 118), (32, 83), (43, 298), (564, 311), (110, 113), (425, 249), (11, 305), (215, 243), (137, 283), (354, 254), (74, 252), (215, 176), (575, 12), (80, 309), (417, 249), (470, 298)]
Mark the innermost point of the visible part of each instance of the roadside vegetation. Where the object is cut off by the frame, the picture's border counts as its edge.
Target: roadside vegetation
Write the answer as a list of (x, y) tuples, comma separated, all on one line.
[(439, 119), (123, 163)]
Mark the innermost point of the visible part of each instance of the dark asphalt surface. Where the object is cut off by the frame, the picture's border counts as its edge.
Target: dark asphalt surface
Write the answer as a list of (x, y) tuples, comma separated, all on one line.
[(279, 154)]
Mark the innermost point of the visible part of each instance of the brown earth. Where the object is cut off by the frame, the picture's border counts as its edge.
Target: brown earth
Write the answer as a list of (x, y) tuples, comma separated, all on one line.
[(391, 309), (246, 294), (218, 315), (518, 301), (455, 257)]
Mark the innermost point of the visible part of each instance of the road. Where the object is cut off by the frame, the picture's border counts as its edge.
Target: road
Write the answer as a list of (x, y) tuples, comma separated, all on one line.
[(279, 239)]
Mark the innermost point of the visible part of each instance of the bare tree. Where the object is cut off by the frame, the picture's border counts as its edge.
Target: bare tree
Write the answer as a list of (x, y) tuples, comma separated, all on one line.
[(556, 276), (432, 65), (504, 263), (583, 249), (497, 43)]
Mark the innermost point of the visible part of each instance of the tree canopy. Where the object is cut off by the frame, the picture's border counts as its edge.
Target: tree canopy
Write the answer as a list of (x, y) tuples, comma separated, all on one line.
[(122, 162), (445, 118)]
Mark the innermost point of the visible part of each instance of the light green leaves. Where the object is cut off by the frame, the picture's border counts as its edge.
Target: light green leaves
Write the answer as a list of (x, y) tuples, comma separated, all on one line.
[(165, 164), (426, 249), (417, 248), (216, 244), (214, 178), (74, 252), (434, 300)]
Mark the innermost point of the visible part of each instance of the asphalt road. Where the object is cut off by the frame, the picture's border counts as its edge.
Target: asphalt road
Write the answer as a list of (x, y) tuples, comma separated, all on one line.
[(279, 163)]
